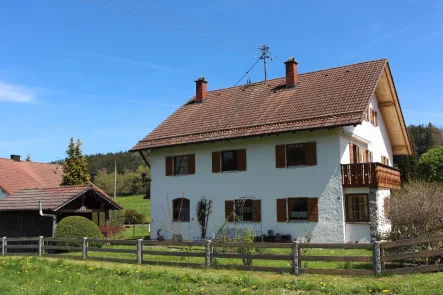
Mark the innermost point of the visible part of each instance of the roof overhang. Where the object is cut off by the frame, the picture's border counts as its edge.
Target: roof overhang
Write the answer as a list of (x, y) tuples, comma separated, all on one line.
[(390, 109)]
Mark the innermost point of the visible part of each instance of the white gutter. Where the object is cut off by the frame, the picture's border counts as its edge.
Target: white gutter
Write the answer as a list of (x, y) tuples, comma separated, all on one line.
[(53, 216)]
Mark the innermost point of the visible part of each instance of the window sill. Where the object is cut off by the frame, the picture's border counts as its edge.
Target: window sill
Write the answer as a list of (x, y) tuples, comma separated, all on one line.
[(181, 174), (230, 171), (299, 221), (296, 166), (358, 222), (181, 221)]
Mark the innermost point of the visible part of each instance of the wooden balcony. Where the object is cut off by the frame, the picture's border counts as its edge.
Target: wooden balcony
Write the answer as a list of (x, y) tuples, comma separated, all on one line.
[(372, 175)]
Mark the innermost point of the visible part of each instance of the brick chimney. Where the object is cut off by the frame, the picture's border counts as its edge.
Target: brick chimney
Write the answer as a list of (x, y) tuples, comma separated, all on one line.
[(200, 89), (291, 72), (15, 158)]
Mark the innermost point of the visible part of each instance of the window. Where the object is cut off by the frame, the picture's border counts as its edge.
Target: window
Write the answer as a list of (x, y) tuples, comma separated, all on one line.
[(180, 165), (385, 160), (243, 210), (234, 160), (373, 117), (295, 155), (357, 209), (300, 154), (298, 209), (229, 161), (181, 210)]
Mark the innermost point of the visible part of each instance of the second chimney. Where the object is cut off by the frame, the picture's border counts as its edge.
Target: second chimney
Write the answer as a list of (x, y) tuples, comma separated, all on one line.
[(200, 89), (291, 72), (15, 158)]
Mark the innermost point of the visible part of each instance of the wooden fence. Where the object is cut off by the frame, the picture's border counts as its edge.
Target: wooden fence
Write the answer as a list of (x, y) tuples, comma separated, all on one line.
[(145, 253)]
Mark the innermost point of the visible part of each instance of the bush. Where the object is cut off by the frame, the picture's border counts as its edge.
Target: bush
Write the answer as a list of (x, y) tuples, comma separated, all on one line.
[(77, 227), (430, 165), (416, 211)]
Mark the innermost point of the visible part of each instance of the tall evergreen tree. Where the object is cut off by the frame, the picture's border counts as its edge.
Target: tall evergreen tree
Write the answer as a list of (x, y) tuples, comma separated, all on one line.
[(75, 168)]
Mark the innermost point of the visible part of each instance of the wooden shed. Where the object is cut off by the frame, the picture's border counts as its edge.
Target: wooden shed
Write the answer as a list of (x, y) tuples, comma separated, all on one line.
[(20, 216)]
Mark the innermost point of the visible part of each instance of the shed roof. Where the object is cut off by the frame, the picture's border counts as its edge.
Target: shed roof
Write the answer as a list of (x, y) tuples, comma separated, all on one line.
[(53, 198)]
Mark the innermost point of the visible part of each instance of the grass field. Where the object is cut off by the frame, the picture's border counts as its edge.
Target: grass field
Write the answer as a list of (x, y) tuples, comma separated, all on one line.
[(135, 202), (19, 275)]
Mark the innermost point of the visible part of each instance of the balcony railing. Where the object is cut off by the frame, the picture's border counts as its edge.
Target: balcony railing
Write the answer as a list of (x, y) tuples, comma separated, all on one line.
[(372, 175)]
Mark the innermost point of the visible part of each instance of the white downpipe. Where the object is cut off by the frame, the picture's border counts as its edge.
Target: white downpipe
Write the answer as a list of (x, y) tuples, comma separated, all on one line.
[(53, 216)]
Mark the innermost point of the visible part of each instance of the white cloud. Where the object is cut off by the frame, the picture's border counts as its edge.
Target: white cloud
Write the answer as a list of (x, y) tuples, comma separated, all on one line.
[(16, 93)]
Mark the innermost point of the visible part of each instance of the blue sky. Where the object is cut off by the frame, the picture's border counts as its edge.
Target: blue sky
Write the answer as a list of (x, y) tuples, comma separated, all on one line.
[(71, 68)]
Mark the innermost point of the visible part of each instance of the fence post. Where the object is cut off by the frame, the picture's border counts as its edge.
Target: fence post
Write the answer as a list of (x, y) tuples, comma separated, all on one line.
[(377, 258), (139, 251), (84, 248), (295, 258), (208, 253), (40, 246), (4, 246)]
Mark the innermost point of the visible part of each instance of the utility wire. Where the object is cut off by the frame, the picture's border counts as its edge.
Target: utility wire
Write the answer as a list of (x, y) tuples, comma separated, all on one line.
[(188, 21), (160, 20), (167, 28), (247, 72), (199, 23)]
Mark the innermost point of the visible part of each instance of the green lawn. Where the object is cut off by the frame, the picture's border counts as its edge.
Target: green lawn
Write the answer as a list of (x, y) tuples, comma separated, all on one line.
[(21, 275), (135, 202), (137, 232)]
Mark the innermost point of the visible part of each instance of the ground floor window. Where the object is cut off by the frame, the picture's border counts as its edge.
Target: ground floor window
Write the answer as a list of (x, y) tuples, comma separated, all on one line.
[(243, 210), (357, 208), (181, 209), (298, 208)]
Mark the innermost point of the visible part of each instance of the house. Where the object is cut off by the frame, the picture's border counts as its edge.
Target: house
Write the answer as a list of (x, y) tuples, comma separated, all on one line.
[(20, 212), (305, 155), (16, 174)]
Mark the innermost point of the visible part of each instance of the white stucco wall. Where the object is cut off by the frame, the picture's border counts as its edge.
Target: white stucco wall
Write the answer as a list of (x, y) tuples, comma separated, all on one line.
[(378, 138), (261, 180), (360, 231)]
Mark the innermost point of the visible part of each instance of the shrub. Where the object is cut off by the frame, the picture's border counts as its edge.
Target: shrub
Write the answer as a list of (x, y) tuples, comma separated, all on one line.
[(77, 227), (416, 210), (430, 165), (133, 217), (113, 231)]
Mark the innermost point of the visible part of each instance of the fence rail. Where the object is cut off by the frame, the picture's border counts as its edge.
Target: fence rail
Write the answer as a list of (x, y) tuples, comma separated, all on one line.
[(211, 250)]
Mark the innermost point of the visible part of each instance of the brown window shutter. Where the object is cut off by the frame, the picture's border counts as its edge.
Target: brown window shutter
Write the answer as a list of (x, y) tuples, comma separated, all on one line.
[(351, 153), (229, 211), (191, 164), (215, 162), (372, 117), (280, 156), (311, 153), (365, 155), (256, 210), (281, 210), (376, 119), (169, 164), (241, 160), (312, 209)]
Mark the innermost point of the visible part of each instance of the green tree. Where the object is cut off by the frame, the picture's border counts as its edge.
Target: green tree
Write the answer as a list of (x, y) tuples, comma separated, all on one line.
[(75, 168), (430, 165)]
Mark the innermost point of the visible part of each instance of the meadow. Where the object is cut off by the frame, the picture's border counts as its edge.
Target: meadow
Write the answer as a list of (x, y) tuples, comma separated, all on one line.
[(32, 275)]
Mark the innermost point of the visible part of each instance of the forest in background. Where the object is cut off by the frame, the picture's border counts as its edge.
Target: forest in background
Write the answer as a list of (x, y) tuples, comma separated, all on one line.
[(423, 138)]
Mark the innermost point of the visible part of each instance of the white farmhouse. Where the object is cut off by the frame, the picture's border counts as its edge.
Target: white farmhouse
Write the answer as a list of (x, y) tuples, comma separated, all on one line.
[(297, 156)]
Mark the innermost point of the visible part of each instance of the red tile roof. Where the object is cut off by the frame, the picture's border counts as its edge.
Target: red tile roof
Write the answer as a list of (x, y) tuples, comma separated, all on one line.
[(321, 99), (17, 175), (52, 198)]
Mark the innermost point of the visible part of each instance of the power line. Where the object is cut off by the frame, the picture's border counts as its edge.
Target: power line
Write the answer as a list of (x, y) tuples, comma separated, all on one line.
[(197, 22), (161, 20), (247, 72), (189, 21), (167, 28)]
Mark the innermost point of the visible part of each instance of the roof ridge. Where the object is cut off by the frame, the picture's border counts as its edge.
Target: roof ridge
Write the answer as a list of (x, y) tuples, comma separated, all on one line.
[(32, 162), (327, 69)]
